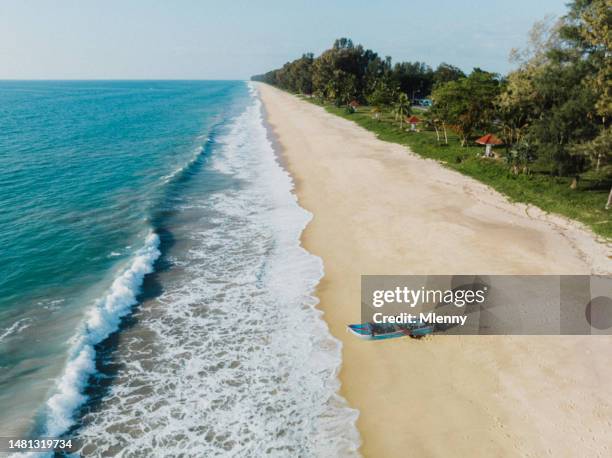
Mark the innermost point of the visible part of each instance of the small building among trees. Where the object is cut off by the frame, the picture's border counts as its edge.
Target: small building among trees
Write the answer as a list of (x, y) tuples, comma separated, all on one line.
[(413, 121), (489, 141)]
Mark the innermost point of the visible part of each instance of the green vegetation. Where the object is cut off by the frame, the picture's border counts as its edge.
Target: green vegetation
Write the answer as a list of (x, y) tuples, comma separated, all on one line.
[(552, 113)]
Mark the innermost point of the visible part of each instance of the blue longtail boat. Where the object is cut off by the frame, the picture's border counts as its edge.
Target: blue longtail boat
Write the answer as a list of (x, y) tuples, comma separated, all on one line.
[(372, 331)]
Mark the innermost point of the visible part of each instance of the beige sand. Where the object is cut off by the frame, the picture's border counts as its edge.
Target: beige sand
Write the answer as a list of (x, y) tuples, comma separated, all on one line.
[(379, 209)]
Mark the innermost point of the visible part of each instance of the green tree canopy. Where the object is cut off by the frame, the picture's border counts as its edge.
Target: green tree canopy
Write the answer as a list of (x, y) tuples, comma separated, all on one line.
[(446, 73), (468, 103)]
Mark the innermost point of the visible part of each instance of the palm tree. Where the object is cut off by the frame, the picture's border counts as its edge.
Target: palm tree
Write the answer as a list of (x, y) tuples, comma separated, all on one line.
[(402, 108)]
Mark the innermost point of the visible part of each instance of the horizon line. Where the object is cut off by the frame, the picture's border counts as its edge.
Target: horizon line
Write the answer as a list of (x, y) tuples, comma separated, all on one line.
[(124, 79)]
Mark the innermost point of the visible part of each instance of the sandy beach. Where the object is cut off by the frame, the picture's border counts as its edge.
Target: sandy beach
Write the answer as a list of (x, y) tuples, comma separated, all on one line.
[(379, 209)]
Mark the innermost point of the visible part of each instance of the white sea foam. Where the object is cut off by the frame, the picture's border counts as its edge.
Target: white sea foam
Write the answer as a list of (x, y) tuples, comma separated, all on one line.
[(15, 328), (101, 321), (233, 359), (196, 153)]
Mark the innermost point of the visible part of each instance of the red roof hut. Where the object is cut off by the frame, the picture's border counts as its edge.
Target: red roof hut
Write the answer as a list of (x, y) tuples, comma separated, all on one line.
[(489, 141), (413, 121)]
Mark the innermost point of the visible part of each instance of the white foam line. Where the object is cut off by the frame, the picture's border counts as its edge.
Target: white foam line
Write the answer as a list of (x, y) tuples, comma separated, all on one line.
[(16, 328), (196, 154), (103, 319)]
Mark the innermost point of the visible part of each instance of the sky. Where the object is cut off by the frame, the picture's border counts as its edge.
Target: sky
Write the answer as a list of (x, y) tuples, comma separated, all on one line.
[(234, 39)]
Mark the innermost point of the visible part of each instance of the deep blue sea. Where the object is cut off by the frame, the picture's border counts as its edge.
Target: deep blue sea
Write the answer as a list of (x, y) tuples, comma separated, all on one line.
[(153, 289)]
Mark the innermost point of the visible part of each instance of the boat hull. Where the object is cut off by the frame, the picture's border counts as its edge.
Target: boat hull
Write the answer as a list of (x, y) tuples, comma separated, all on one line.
[(364, 332)]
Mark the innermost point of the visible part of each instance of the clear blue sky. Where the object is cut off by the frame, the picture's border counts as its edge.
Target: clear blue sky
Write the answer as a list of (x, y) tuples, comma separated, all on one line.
[(233, 39)]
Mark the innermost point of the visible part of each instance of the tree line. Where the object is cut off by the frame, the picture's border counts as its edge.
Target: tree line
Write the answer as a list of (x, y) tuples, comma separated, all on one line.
[(553, 110), (348, 72)]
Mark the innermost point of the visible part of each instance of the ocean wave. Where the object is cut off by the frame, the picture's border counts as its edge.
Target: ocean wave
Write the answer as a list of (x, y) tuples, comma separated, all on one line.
[(103, 319), (179, 170), (233, 358)]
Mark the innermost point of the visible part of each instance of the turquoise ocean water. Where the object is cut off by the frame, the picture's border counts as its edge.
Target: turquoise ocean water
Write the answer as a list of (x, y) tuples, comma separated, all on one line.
[(151, 268)]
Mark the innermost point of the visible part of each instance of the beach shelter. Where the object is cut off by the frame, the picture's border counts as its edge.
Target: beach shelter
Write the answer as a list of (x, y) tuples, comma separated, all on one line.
[(413, 121), (489, 141)]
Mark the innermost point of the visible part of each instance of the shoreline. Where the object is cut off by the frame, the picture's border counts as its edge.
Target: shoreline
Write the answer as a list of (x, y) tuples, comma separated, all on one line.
[(351, 444), (283, 161), (375, 213)]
